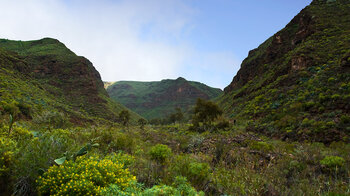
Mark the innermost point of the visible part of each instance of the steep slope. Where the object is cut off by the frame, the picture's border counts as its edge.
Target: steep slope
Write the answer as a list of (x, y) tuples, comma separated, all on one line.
[(296, 84), (159, 99), (63, 80)]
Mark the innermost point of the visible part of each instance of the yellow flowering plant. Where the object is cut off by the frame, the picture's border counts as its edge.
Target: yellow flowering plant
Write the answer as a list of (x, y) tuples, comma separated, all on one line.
[(7, 148), (85, 176)]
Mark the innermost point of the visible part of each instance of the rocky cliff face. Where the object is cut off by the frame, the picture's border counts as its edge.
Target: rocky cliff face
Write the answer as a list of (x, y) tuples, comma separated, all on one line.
[(159, 99), (292, 77), (70, 78), (270, 52)]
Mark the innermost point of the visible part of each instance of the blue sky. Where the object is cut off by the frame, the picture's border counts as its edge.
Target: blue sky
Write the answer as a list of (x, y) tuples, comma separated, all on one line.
[(149, 40)]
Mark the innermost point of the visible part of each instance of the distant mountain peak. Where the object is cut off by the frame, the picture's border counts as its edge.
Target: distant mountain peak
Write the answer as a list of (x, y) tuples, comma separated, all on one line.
[(159, 99)]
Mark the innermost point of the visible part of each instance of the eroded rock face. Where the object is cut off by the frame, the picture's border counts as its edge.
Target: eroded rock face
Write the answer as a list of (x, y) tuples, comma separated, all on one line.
[(271, 51), (63, 74)]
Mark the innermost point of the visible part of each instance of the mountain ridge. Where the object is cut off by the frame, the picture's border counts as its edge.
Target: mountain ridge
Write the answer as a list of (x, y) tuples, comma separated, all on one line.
[(60, 72), (157, 99)]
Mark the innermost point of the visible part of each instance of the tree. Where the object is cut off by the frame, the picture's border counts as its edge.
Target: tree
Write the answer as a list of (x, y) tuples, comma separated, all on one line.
[(205, 112), (124, 117), (177, 116), (142, 122)]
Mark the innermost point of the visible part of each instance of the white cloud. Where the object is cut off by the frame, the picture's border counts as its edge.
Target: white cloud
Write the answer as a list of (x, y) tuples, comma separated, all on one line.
[(125, 39), (109, 33)]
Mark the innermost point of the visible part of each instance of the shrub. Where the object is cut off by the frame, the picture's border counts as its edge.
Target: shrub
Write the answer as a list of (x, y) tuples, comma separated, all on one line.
[(11, 108), (261, 146), (114, 190), (7, 148), (25, 109), (125, 159), (116, 141), (196, 172), (332, 161), (37, 154), (199, 172), (184, 187), (85, 176), (160, 153), (7, 152), (142, 122), (161, 190), (51, 119), (179, 187), (124, 117)]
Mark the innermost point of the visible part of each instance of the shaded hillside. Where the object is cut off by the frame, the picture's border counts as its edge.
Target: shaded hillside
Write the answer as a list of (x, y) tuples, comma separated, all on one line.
[(159, 99), (45, 75), (296, 84)]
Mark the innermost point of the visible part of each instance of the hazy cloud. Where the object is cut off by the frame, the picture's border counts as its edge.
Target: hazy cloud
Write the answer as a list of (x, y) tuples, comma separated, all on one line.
[(126, 39)]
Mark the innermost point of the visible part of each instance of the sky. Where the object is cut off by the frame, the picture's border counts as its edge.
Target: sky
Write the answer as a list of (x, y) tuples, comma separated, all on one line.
[(151, 40)]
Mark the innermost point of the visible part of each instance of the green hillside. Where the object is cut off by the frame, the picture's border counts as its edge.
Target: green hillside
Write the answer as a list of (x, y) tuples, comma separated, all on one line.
[(159, 99), (44, 75), (296, 85)]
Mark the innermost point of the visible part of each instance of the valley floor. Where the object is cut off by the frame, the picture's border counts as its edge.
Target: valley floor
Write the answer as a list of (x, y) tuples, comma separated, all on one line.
[(164, 160)]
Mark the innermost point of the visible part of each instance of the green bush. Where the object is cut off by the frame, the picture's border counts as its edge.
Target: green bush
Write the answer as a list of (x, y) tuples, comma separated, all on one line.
[(160, 153), (161, 190), (261, 146), (7, 148), (25, 109), (196, 172), (51, 119), (11, 108), (7, 161), (37, 154), (184, 187), (114, 190), (332, 161)]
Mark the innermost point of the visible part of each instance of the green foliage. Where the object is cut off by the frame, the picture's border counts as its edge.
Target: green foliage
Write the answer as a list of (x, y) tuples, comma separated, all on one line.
[(180, 187), (115, 190), (160, 153), (196, 172), (177, 116), (142, 122), (84, 150), (205, 112), (161, 190), (184, 187), (333, 161), (302, 78), (7, 161), (261, 146), (7, 149), (139, 96), (51, 119), (31, 80), (85, 176), (124, 117)]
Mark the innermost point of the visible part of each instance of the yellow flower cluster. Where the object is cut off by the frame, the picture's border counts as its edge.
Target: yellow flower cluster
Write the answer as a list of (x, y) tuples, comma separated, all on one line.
[(6, 154), (86, 176)]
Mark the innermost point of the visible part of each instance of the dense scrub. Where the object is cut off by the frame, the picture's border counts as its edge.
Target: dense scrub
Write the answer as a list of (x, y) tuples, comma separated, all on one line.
[(165, 160)]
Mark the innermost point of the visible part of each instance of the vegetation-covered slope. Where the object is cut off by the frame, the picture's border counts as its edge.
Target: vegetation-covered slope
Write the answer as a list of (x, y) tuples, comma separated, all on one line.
[(159, 99), (45, 75), (297, 83)]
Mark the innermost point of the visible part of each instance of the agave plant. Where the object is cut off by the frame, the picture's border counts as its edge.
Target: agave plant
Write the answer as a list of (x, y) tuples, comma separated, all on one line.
[(11, 122), (84, 150)]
